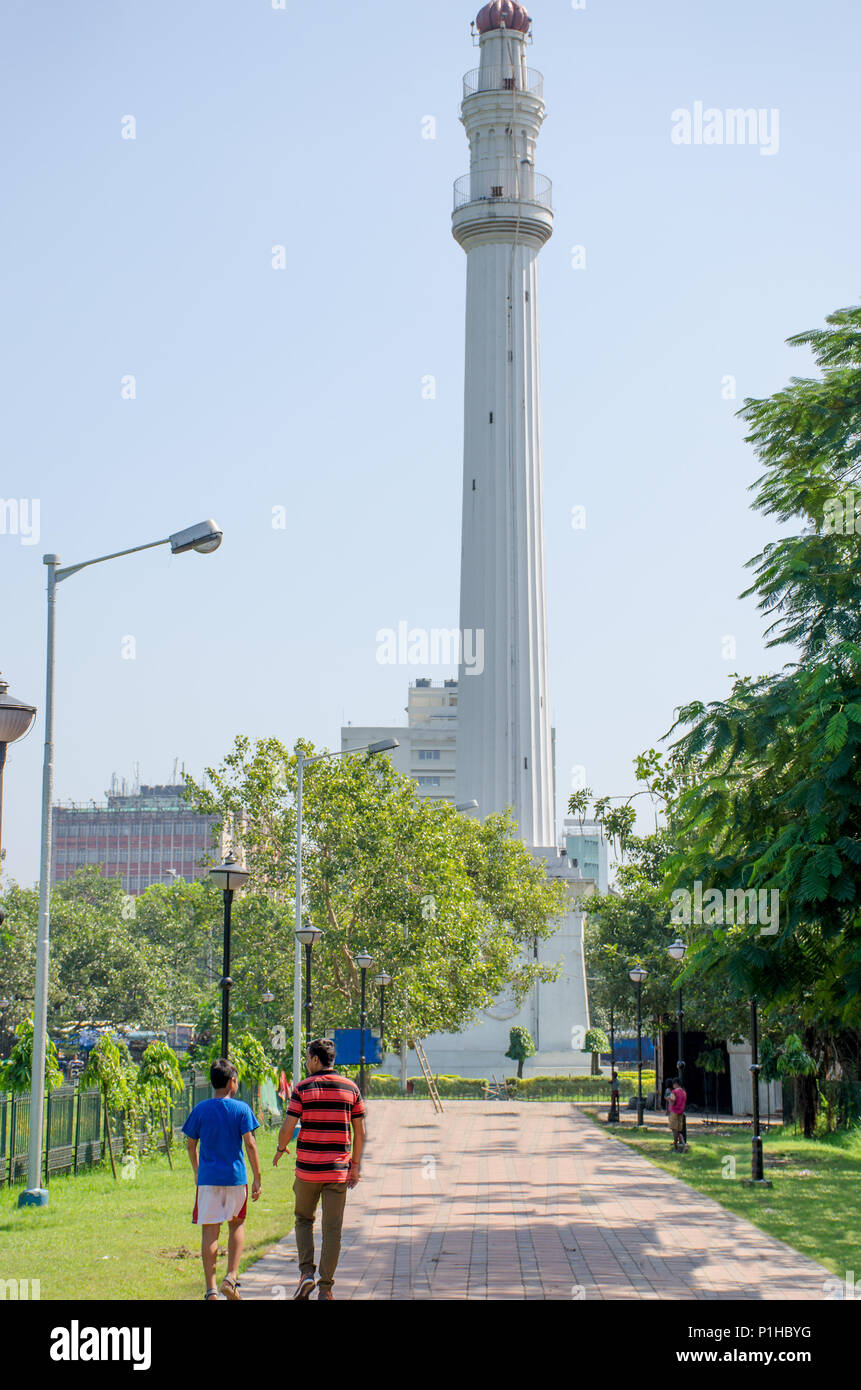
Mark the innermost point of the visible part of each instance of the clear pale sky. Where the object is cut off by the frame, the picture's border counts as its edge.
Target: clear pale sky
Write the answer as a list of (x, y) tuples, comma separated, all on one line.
[(302, 388)]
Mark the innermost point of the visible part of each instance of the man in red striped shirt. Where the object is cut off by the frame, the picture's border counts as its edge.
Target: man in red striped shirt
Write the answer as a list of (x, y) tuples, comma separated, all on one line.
[(328, 1160)]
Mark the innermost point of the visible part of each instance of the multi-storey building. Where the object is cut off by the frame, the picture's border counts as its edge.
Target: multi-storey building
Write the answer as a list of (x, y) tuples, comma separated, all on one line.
[(428, 743), (149, 836)]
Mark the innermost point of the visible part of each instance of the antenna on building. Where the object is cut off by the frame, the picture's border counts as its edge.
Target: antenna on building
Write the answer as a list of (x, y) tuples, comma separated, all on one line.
[(136, 768), (173, 781)]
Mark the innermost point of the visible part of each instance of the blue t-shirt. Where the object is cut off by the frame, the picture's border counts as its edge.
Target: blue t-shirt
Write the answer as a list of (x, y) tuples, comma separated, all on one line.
[(220, 1125)]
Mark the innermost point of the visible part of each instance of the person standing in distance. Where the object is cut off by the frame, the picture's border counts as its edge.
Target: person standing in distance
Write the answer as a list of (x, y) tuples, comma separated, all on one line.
[(328, 1161)]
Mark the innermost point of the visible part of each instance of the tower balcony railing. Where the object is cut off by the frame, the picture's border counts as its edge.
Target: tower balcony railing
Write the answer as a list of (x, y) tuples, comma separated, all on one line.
[(511, 78), (504, 185)]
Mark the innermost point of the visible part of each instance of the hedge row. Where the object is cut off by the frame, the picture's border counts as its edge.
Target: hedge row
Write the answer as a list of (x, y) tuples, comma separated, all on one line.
[(528, 1088)]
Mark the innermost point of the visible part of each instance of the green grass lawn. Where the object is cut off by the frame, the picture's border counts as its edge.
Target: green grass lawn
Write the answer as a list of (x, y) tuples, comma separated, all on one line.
[(105, 1239), (815, 1203)]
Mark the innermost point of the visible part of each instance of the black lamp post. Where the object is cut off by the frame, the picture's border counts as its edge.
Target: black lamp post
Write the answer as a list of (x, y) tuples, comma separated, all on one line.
[(383, 980), (308, 935), (364, 962), (638, 976), (757, 1172), (677, 952), (5, 1005), (16, 720), (614, 1095), (229, 876)]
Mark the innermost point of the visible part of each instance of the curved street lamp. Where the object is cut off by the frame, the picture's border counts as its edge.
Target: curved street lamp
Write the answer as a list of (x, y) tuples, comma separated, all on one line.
[(638, 976), (205, 537), (16, 720)]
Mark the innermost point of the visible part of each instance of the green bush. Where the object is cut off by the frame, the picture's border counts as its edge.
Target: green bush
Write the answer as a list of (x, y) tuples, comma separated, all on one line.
[(380, 1084)]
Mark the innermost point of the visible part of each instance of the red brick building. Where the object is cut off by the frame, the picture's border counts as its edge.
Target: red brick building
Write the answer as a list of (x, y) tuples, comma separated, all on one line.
[(149, 836)]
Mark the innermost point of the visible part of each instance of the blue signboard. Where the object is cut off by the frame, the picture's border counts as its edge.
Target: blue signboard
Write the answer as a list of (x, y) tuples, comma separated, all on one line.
[(348, 1047)]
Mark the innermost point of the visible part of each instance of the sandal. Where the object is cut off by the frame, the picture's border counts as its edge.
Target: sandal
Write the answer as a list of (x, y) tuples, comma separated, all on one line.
[(230, 1289), (210, 1295)]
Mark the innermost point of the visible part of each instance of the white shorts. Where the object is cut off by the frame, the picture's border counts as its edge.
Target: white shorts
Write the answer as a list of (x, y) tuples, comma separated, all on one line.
[(215, 1205)]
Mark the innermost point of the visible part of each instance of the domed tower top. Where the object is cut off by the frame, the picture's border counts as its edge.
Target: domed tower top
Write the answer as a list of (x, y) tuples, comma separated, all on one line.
[(503, 14)]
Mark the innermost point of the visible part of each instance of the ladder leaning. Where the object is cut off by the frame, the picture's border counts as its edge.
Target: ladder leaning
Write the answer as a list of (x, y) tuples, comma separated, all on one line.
[(426, 1073)]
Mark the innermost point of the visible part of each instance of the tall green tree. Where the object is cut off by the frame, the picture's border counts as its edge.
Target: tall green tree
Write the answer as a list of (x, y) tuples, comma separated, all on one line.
[(777, 796), (450, 906)]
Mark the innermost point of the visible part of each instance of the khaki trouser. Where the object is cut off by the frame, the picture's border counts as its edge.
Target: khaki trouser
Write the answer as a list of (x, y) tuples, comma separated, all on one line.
[(334, 1199)]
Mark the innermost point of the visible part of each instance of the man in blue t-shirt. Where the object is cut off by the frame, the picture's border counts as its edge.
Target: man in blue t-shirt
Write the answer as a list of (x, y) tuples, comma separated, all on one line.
[(220, 1126)]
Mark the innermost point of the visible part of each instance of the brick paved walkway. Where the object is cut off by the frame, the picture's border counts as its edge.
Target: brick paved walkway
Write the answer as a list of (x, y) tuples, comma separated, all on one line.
[(494, 1200)]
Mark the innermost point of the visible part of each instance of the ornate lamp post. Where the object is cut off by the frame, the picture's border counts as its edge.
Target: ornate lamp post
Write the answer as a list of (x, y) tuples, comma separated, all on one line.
[(364, 962), (16, 720), (757, 1171), (613, 1117), (638, 976), (677, 951), (308, 935), (382, 981), (229, 876)]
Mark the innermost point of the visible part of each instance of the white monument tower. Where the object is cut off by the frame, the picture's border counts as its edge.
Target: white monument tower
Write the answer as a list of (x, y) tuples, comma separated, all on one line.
[(502, 218)]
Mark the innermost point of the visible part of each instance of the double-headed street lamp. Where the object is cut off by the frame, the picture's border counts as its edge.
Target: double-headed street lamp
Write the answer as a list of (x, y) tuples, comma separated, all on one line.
[(386, 745), (638, 976), (364, 961), (308, 935), (16, 720), (382, 981), (229, 876), (205, 537)]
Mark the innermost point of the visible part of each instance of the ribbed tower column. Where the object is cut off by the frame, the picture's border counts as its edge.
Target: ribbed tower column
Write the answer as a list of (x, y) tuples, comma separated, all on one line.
[(502, 218)]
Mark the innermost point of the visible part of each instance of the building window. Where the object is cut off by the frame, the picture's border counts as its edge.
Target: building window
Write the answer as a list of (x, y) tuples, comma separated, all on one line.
[(429, 781), (429, 755)]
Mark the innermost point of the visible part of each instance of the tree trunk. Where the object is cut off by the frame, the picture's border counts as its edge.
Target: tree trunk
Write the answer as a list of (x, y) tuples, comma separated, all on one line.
[(110, 1141), (520, 1069), (808, 1096), (166, 1140)]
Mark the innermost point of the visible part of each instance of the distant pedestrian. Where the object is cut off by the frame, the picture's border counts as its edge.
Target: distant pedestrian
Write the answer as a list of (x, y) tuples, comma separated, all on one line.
[(676, 1114), (328, 1161), (615, 1092), (220, 1126)]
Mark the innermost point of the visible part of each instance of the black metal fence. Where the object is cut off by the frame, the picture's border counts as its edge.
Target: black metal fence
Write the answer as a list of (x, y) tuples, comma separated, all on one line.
[(74, 1129)]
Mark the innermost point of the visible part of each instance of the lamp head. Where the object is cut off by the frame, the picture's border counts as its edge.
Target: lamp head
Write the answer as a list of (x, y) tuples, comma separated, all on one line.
[(230, 875), (16, 718), (386, 745), (364, 960), (678, 950), (308, 934), (638, 975), (205, 537), (268, 997), (383, 980)]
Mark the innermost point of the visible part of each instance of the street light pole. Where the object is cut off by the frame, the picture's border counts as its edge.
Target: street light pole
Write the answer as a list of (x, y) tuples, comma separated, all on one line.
[(308, 936), (229, 876), (205, 537), (677, 951), (614, 1095), (638, 975), (383, 980), (384, 746), (364, 962)]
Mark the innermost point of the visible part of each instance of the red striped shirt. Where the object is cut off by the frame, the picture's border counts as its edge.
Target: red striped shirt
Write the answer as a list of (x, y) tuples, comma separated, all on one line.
[(327, 1105)]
